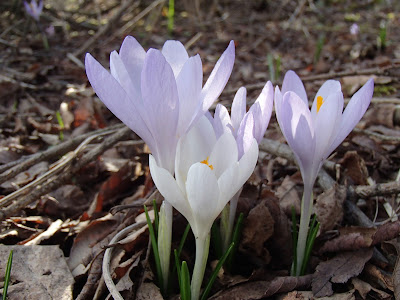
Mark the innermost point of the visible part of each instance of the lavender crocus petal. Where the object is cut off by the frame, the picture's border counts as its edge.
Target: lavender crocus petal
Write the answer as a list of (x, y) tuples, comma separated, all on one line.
[(168, 187), (221, 122), (278, 100), (299, 131), (119, 72), (238, 109), (326, 125), (293, 83), (160, 99), (175, 54), (189, 82), (245, 134), (328, 88), (28, 8), (353, 113), (218, 77), (133, 55), (223, 154), (202, 193), (40, 7), (115, 98)]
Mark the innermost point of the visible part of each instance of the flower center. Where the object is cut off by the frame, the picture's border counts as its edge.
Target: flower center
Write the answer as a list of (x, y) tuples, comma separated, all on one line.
[(206, 163), (320, 101)]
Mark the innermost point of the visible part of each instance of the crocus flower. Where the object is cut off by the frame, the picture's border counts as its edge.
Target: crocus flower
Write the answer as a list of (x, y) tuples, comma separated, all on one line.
[(354, 29), (207, 175), (159, 95), (34, 9), (313, 135), (244, 126)]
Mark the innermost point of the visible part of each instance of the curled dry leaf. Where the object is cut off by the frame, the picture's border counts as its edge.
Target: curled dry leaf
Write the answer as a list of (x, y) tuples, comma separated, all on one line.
[(263, 289), (329, 207), (353, 238), (364, 288), (338, 270), (258, 228), (355, 168)]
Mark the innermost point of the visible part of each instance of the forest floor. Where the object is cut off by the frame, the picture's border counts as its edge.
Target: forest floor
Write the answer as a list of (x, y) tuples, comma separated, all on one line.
[(68, 167)]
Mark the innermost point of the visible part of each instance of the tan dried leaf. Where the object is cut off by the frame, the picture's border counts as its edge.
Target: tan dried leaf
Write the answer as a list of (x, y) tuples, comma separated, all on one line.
[(338, 270)]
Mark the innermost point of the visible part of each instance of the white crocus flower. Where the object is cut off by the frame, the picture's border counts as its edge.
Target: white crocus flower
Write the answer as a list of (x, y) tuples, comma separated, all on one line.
[(208, 174)]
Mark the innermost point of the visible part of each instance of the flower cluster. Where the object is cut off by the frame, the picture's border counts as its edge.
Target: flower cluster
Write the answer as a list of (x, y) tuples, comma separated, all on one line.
[(34, 9), (199, 161)]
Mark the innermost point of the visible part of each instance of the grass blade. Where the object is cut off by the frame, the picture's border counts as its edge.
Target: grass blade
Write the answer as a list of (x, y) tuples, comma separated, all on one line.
[(7, 276)]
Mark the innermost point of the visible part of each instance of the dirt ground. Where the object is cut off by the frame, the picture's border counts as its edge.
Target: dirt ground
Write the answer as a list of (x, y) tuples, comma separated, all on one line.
[(69, 168)]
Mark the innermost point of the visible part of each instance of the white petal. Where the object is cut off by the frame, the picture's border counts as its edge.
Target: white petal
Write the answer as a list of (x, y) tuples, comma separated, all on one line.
[(354, 111), (194, 147), (246, 165), (221, 122), (293, 83), (175, 54), (218, 77), (238, 108), (168, 187), (224, 153), (203, 192), (245, 134)]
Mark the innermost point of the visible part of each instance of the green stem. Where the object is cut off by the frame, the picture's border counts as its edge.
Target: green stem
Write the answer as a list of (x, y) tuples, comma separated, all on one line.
[(305, 215), (227, 225), (164, 240), (202, 248)]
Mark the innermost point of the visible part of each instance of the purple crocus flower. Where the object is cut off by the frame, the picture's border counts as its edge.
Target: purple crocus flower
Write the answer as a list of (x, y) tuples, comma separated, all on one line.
[(34, 9), (158, 94), (245, 127), (314, 134)]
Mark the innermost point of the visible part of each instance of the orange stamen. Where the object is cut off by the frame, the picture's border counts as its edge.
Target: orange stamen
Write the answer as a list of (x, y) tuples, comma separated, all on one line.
[(320, 101), (206, 163)]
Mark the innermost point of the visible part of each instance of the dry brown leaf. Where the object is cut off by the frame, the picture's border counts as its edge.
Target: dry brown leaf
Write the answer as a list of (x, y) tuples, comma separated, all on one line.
[(89, 242), (258, 228), (26, 177), (355, 168), (288, 196), (262, 289), (148, 291), (338, 270), (350, 238), (329, 207), (381, 277), (363, 288)]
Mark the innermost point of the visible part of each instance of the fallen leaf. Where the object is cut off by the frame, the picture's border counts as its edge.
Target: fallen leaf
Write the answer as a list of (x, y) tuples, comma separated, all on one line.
[(364, 288), (258, 228), (338, 270), (148, 291), (329, 207), (355, 168), (263, 289)]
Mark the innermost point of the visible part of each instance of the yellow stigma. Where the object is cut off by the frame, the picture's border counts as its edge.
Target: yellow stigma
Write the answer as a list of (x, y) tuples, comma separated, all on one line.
[(206, 163), (320, 101)]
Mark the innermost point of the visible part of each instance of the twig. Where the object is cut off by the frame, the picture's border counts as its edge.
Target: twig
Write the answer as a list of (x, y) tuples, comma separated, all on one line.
[(107, 258), (284, 151), (137, 18), (52, 183), (378, 135), (104, 29), (13, 168), (379, 189)]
